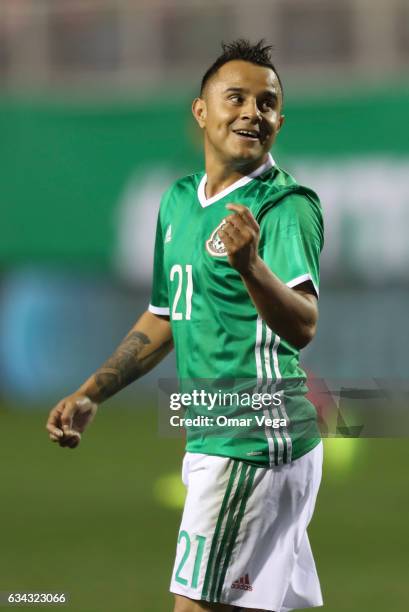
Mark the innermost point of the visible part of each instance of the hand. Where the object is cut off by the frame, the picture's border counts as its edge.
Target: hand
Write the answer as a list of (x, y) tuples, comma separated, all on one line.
[(69, 418), (240, 235)]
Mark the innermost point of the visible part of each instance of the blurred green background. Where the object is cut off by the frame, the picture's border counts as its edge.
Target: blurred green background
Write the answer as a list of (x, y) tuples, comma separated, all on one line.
[(94, 523), (94, 125)]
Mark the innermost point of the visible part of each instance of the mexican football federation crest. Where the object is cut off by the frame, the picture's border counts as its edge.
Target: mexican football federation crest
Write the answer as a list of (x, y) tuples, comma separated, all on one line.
[(214, 245)]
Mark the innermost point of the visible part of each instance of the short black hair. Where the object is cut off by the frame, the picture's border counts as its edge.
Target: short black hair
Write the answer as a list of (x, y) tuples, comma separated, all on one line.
[(242, 49)]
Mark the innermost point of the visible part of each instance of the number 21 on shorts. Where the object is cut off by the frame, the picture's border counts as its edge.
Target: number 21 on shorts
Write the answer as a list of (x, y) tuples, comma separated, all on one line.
[(185, 283), (184, 538)]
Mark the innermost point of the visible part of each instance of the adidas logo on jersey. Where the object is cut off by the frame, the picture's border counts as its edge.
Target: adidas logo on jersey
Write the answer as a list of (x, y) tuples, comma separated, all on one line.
[(168, 235), (243, 584), (214, 245)]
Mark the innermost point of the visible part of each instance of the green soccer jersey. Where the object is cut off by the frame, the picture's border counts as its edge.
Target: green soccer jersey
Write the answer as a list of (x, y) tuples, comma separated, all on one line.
[(218, 335)]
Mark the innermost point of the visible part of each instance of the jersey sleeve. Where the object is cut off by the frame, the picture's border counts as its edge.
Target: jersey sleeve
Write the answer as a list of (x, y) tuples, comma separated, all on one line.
[(159, 298), (291, 239)]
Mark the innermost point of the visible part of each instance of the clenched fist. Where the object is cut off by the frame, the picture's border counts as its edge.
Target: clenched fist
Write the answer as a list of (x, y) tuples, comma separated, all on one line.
[(240, 235)]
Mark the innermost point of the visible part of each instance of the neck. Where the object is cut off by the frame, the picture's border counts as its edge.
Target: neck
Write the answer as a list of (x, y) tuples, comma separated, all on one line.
[(221, 175)]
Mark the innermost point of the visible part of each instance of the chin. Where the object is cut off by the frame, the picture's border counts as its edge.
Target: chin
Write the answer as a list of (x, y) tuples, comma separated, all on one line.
[(248, 155)]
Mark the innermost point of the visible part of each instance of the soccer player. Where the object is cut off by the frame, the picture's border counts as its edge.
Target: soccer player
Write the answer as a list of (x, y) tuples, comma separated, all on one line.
[(235, 288)]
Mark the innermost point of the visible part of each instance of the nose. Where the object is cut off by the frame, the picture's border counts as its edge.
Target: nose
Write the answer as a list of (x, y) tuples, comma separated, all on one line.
[(250, 110)]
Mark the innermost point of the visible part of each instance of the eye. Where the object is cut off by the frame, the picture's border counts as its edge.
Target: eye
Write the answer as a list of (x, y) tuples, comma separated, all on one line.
[(237, 98), (268, 105)]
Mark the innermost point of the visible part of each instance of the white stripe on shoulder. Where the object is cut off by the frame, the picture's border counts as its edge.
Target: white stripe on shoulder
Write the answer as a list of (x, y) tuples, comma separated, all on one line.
[(159, 310)]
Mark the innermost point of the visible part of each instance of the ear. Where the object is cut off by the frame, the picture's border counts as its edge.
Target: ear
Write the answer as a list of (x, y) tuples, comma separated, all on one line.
[(199, 111), (280, 122)]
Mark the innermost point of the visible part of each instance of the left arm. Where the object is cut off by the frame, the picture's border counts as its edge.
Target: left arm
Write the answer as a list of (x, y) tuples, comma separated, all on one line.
[(291, 313)]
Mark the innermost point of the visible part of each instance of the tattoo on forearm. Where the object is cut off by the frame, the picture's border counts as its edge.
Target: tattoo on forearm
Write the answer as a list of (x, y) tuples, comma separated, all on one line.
[(125, 365)]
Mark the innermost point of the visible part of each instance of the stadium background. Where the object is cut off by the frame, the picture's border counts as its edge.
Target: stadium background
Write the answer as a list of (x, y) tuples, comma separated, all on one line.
[(94, 124)]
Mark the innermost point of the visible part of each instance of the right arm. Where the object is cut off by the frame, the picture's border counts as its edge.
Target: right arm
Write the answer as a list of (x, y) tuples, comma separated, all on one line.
[(146, 344)]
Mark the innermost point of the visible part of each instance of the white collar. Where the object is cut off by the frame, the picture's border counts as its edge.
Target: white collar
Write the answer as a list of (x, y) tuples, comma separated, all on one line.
[(201, 194)]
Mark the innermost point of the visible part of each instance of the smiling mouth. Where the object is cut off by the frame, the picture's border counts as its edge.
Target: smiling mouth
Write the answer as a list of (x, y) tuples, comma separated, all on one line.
[(251, 135)]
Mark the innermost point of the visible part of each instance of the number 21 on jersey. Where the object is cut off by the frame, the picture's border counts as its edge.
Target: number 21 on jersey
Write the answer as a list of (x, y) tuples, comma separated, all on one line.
[(184, 280)]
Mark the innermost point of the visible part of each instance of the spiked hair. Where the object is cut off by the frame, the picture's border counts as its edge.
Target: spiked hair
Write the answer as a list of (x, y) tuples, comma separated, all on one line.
[(242, 49)]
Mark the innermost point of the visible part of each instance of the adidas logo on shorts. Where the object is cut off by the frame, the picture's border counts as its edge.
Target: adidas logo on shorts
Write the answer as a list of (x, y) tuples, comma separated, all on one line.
[(243, 584)]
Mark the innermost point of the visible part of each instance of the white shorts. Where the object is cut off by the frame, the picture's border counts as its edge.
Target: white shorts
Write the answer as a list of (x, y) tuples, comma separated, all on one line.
[(243, 538)]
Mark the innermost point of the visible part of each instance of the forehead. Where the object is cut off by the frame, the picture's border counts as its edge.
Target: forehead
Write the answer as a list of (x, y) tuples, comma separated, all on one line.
[(245, 75)]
